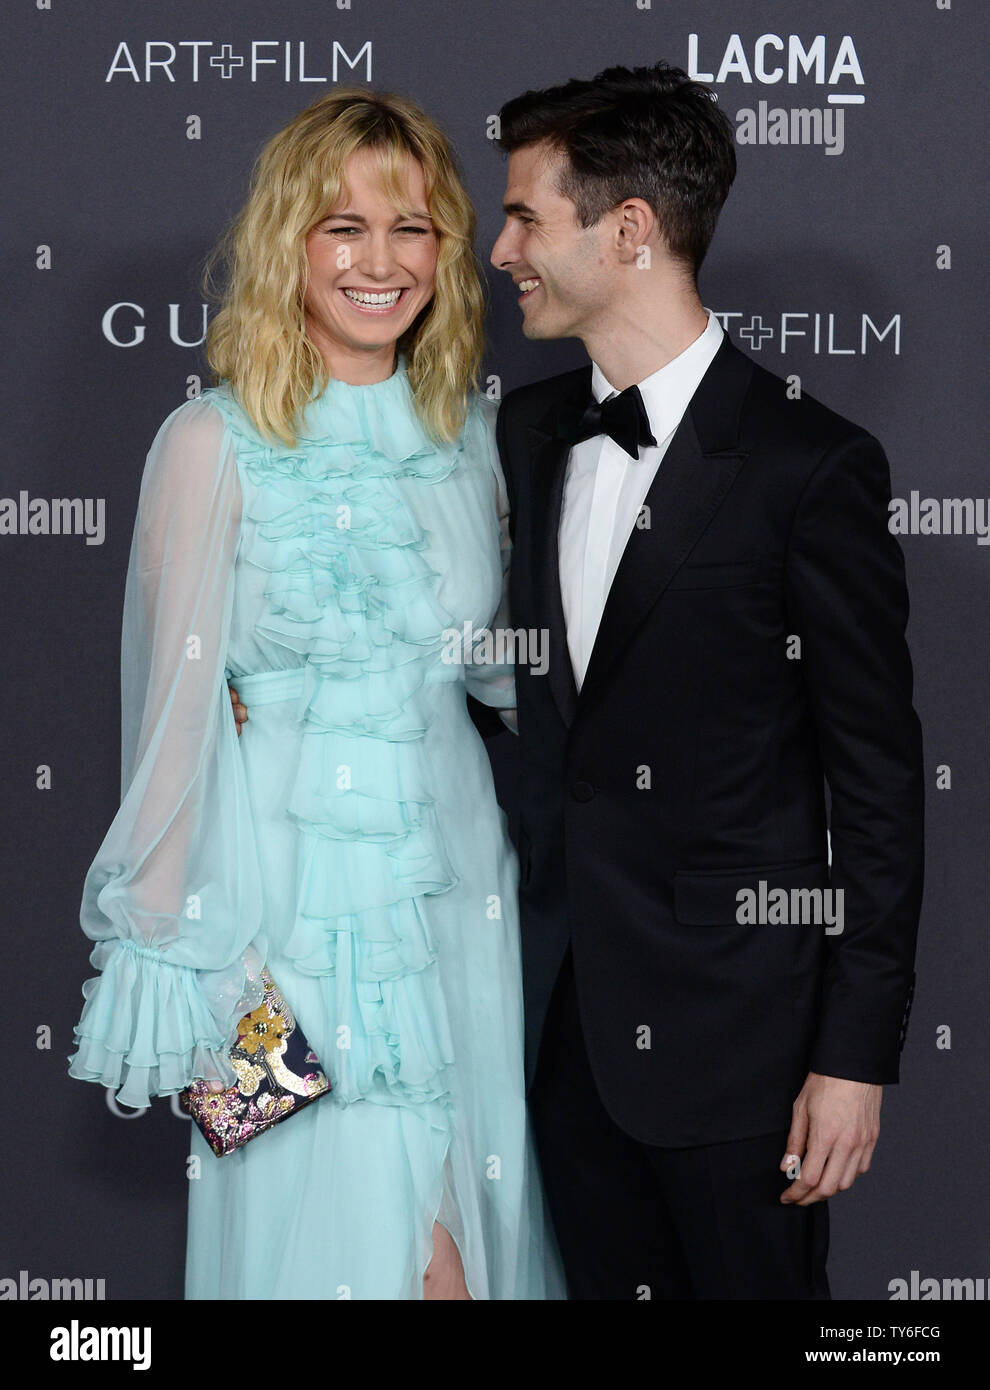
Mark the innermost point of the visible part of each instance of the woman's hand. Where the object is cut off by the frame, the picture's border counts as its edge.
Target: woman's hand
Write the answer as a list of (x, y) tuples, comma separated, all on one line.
[(240, 711)]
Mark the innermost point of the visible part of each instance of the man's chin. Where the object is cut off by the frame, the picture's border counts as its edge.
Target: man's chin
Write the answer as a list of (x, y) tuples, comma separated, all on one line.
[(532, 328)]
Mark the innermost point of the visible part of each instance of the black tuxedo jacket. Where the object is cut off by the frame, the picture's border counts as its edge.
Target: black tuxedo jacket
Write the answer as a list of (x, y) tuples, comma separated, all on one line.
[(752, 646)]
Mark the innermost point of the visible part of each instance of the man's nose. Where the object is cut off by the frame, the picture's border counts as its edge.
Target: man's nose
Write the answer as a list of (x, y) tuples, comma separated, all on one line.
[(503, 252)]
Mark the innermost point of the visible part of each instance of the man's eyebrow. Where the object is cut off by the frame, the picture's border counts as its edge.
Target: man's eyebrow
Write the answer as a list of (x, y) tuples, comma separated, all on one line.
[(518, 207)]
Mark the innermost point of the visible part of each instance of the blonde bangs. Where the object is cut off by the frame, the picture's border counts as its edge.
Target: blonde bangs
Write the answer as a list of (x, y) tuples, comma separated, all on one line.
[(257, 340)]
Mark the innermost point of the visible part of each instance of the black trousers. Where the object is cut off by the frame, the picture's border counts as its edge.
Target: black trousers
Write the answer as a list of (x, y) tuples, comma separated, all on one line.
[(634, 1221)]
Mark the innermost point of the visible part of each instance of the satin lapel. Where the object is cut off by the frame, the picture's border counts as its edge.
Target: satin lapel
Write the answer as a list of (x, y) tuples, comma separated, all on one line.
[(687, 490), (549, 466)]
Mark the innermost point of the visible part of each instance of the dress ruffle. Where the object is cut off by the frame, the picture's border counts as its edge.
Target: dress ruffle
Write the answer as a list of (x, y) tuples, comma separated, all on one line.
[(349, 591), (148, 1024)]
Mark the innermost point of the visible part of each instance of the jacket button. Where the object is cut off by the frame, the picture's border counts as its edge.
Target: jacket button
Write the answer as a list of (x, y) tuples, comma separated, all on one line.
[(582, 791)]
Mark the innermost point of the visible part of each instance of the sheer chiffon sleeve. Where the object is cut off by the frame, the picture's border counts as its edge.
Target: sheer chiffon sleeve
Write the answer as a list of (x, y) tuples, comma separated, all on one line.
[(493, 682), (173, 897)]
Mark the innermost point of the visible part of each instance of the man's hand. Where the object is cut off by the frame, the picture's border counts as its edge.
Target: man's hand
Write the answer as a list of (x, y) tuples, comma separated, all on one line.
[(835, 1125), (240, 711)]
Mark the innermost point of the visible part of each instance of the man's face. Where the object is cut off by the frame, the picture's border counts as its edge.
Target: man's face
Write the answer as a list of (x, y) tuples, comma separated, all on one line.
[(560, 268)]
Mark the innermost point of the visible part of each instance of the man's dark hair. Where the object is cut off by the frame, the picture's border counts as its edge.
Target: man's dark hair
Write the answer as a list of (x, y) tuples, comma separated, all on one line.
[(650, 133)]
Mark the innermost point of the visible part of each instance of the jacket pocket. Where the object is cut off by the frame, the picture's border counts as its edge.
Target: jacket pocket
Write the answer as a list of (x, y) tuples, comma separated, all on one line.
[(731, 574), (710, 897)]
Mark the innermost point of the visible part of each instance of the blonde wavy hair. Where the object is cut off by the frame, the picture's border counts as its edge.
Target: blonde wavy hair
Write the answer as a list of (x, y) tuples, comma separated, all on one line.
[(257, 339)]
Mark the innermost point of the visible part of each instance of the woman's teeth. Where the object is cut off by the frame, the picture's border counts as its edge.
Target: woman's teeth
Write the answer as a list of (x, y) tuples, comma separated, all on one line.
[(383, 300), (526, 285)]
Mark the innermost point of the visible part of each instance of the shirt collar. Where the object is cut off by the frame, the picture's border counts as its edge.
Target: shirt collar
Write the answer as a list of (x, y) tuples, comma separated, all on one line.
[(667, 392)]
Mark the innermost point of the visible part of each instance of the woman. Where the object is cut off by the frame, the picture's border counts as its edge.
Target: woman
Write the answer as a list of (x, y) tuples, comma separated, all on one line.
[(311, 528)]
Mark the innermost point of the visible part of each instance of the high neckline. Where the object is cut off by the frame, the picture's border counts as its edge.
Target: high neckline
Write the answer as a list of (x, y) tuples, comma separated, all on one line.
[(376, 423), (368, 386), (378, 414)]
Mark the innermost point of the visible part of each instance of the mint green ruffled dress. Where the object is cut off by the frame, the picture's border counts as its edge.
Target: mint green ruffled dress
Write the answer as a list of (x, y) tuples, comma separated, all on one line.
[(351, 837)]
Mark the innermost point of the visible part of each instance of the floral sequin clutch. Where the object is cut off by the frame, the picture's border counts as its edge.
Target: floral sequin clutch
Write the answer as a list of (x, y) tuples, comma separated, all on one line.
[(277, 1074)]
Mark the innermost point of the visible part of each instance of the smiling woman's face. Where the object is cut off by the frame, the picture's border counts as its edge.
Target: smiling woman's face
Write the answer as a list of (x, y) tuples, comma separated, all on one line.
[(372, 271)]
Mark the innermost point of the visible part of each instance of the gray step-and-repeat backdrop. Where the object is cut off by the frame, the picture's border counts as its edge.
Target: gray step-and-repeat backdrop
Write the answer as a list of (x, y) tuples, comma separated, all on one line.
[(848, 254)]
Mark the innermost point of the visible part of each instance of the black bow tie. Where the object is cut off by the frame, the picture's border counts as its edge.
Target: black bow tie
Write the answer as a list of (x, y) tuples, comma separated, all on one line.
[(622, 417)]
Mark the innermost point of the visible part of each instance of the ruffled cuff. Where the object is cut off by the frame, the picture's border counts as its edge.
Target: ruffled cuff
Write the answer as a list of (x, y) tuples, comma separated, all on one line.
[(152, 1027), (493, 683)]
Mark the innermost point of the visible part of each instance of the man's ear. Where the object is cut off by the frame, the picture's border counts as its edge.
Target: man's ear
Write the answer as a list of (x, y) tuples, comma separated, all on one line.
[(635, 227)]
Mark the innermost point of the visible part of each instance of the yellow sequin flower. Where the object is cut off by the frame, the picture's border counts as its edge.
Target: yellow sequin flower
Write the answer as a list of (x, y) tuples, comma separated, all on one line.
[(262, 1030)]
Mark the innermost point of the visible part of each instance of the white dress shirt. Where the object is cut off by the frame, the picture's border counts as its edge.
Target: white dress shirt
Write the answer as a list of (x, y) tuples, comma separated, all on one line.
[(604, 491)]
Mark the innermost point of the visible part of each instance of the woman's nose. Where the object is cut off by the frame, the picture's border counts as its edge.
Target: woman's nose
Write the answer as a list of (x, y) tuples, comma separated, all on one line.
[(377, 257)]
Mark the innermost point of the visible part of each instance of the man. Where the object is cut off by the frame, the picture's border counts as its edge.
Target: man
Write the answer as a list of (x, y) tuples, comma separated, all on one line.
[(711, 1010)]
